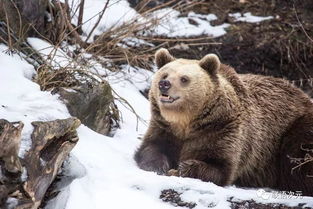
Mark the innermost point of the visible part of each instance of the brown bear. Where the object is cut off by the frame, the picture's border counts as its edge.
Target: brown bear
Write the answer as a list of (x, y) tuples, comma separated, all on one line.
[(210, 123)]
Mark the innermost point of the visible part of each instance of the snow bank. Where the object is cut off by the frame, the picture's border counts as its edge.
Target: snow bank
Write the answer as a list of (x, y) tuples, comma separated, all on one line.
[(119, 12), (172, 25), (168, 22), (21, 99), (52, 54)]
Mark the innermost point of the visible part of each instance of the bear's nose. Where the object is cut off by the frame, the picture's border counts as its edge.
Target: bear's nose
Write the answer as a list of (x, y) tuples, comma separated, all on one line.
[(164, 85)]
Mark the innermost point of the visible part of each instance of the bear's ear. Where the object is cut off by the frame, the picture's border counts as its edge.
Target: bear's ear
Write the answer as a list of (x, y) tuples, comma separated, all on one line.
[(162, 57), (210, 63)]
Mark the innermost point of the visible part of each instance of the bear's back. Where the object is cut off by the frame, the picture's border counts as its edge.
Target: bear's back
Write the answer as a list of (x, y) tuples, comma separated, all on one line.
[(273, 103), (272, 90)]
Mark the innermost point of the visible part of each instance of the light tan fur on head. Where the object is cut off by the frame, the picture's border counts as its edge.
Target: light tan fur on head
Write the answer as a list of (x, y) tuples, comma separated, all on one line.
[(192, 94)]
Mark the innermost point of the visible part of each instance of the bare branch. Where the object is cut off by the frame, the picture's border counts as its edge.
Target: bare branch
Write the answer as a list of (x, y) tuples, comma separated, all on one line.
[(301, 25), (80, 17), (99, 19)]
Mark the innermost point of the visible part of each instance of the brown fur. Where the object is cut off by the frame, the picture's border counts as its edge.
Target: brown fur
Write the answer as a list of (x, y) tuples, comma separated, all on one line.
[(228, 128)]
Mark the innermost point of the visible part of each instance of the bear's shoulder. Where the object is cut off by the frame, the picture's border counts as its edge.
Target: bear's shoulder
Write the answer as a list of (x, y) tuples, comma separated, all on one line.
[(229, 73)]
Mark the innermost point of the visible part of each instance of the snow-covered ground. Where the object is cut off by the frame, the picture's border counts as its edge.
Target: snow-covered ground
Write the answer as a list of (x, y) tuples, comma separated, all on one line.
[(168, 22), (109, 177), (21, 99)]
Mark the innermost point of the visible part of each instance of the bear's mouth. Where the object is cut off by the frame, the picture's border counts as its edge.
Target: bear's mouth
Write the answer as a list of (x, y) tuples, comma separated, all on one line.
[(165, 98)]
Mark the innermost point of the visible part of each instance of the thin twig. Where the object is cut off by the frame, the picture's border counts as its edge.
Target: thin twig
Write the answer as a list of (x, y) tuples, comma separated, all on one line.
[(80, 16), (8, 31), (70, 26), (301, 25), (301, 164), (98, 21)]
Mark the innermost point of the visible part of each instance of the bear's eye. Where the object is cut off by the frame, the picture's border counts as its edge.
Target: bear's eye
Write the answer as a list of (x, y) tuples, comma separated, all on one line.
[(164, 76), (184, 79)]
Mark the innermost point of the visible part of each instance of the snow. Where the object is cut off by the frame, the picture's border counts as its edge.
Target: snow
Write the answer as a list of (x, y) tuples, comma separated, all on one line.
[(52, 54), (117, 13), (167, 21), (21, 99), (72, 169), (12, 202), (172, 25), (248, 17)]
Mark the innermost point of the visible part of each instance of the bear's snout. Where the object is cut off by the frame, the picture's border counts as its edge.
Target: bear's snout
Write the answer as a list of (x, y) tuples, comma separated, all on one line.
[(164, 85)]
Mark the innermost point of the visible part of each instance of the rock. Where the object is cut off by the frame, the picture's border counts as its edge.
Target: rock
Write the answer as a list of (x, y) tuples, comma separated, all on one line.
[(51, 144), (93, 105)]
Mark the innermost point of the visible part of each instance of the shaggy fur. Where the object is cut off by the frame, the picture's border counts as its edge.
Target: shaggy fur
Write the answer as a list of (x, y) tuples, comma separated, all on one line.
[(227, 128)]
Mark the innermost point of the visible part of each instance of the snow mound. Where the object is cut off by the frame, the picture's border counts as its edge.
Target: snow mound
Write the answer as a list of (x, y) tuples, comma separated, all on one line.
[(167, 20), (248, 17), (172, 25), (21, 99)]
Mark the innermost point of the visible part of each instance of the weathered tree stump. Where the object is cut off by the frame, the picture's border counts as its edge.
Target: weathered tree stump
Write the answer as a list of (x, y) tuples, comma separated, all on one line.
[(51, 143)]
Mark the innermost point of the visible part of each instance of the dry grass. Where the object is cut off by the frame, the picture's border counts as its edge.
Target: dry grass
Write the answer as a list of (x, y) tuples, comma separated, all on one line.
[(49, 79), (111, 44)]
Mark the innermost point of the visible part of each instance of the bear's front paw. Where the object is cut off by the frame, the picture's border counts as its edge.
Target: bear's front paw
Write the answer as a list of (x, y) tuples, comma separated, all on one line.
[(172, 172), (190, 168), (150, 159)]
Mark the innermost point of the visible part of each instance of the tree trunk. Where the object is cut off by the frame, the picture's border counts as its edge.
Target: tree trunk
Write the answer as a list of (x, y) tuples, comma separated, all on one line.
[(51, 143)]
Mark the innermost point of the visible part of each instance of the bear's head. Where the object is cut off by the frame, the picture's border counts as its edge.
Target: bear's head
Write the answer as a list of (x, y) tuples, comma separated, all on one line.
[(181, 87)]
